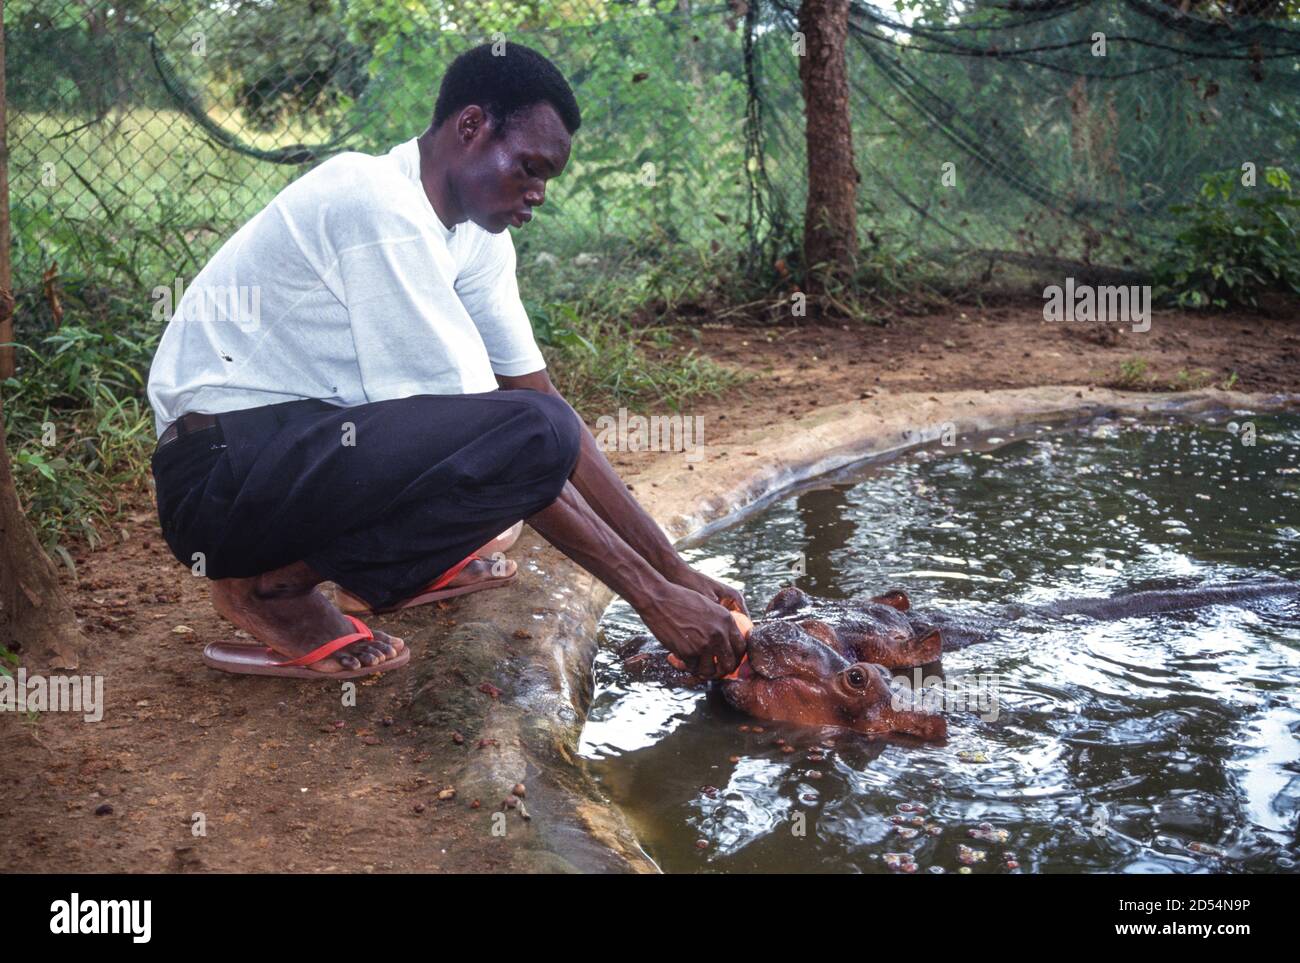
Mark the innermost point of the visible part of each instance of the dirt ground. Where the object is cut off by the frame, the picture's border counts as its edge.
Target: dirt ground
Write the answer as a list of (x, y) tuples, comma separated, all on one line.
[(288, 779)]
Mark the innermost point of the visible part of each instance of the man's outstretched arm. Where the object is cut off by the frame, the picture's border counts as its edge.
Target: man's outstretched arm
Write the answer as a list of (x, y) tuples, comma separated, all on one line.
[(608, 497), (690, 623)]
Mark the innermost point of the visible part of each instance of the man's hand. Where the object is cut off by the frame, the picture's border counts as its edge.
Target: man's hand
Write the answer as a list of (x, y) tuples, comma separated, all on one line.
[(711, 588), (696, 629)]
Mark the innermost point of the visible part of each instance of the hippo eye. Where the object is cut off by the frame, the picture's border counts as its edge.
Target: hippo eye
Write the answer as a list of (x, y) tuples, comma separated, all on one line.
[(856, 678)]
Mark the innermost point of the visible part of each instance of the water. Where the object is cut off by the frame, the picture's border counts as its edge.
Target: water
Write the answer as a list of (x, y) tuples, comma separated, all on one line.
[(1161, 744)]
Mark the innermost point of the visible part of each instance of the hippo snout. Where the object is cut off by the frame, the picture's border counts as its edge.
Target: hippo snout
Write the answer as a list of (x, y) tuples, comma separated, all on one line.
[(909, 714), (929, 726)]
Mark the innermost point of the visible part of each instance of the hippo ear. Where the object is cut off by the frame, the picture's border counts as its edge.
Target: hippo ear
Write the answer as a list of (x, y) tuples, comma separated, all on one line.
[(929, 647), (786, 602), (821, 632), (896, 598)]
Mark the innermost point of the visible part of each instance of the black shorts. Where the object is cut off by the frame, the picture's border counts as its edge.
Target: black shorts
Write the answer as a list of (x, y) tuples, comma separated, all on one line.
[(381, 498)]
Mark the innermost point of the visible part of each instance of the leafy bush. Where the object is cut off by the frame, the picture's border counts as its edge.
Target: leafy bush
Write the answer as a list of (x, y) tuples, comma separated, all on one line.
[(79, 427), (1239, 242)]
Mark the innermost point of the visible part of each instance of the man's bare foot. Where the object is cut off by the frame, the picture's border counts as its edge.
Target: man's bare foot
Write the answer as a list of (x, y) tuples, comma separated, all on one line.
[(482, 569), (284, 610), (479, 570)]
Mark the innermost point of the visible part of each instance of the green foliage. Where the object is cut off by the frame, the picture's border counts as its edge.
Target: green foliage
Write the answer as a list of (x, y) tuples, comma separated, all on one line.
[(1132, 374), (8, 662), (78, 426), (290, 58), (1238, 243), (1195, 380), (612, 368), (598, 324)]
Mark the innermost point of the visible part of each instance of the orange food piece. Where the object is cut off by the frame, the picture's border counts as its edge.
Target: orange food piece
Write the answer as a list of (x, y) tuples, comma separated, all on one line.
[(743, 622)]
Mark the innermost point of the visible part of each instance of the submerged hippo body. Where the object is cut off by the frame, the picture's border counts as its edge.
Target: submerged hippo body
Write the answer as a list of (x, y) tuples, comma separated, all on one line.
[(884, 629), (791, 675)]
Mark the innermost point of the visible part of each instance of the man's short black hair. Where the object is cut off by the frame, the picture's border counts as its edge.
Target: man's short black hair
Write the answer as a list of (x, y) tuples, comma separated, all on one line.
[(505, 85)]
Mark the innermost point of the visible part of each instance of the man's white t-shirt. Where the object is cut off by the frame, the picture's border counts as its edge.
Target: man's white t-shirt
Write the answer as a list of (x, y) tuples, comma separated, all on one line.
[(347, 288)]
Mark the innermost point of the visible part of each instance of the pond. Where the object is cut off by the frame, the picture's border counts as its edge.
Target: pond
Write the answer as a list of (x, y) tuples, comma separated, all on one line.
[(1169, 743)]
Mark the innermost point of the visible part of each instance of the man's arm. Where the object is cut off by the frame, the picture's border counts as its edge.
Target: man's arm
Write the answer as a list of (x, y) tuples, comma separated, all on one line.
[(607, 494)]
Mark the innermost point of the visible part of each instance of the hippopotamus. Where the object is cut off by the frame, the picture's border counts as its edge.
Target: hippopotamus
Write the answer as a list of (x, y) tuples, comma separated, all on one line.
[(825, 662), (885, 629), (879, 630), (791, 675)]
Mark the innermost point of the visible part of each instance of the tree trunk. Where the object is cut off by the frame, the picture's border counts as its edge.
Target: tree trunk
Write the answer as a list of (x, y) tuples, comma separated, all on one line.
[(6, 270), (36, 619), (830, 219)]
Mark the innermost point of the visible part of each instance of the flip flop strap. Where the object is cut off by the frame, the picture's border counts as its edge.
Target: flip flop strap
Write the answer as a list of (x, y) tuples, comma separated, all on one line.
[(451, 573), (329, 648)]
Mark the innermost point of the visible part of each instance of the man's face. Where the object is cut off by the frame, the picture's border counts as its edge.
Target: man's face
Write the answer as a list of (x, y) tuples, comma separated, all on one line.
[(501, 178)]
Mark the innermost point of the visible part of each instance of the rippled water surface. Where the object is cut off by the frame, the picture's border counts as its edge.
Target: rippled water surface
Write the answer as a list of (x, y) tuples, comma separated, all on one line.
[(1162, 744)]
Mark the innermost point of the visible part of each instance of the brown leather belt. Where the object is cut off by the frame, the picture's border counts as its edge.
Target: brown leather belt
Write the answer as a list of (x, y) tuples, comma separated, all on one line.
[(184, 425)]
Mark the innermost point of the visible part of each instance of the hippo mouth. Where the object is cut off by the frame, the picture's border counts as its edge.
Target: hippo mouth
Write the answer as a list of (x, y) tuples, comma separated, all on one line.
[(761, 668), (747, 673)]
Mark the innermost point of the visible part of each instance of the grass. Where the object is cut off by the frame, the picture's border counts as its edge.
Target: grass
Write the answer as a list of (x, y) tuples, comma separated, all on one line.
[(1192, 380), (8, 662), (1135, 375), (617, 371), (611, 329), (79, 431)]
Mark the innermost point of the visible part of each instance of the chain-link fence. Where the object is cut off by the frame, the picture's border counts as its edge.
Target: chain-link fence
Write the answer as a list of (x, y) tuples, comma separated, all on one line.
[(987, 135), (1042, 135), (147, 140)]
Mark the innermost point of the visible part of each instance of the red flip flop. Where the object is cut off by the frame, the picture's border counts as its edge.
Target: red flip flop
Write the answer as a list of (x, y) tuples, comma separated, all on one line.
[(244, 659), (433, 592)]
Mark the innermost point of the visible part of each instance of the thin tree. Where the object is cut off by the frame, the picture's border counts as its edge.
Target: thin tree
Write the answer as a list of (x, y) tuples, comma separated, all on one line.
[(830, 217), (36, 618)]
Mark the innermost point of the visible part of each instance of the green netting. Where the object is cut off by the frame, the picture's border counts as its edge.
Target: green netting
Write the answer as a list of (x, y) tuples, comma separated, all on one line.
[(1067, 130), (141, 135)]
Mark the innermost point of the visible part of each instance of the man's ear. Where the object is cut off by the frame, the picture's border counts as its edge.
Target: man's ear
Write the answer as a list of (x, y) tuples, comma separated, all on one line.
[(472, 123)]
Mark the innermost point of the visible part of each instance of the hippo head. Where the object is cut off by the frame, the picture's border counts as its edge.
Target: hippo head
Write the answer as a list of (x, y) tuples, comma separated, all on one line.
[(791, 676)]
